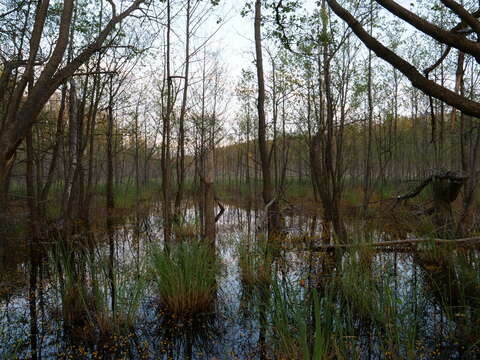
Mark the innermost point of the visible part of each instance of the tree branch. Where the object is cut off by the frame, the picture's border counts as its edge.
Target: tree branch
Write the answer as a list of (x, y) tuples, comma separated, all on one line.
[(417, 190), (427, 71), (464, 15), (418, 80), (447, 37)]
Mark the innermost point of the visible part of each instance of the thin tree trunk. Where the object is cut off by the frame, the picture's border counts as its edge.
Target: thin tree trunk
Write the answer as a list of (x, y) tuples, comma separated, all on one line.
[(273, 219), (55, 152), (183, 110), (368, 166), (209, 197), (110, 197), (166, 141)]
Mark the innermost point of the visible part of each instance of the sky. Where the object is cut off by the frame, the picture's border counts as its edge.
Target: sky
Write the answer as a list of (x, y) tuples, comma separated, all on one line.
[(233, 40)]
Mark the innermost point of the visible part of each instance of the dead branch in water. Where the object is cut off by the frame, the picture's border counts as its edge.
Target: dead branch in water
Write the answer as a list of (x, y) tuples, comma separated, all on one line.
[(411, 243)]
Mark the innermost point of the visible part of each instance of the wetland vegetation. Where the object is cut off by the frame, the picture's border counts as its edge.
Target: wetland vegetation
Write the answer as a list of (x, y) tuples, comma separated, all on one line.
[(313, 196)]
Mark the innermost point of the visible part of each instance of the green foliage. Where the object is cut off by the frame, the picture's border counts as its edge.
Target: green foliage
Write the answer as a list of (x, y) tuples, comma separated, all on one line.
[(186, 277), (86, 287), (255, 262), (292, 334)]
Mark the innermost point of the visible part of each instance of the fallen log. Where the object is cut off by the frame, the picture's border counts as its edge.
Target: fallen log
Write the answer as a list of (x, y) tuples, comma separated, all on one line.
[(411, 243)]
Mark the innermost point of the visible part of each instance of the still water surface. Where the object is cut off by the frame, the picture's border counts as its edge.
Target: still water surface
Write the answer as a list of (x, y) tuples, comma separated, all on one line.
[(434, 317)]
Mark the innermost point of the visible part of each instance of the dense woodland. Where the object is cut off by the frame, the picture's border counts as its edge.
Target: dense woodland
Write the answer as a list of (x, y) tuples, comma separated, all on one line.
[(98, 97), (353, 111)]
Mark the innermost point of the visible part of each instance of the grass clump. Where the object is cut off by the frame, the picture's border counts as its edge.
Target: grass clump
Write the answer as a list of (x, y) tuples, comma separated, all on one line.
[(185, 277), (97, 303), (299, 331), (255, 262), (185, 231)]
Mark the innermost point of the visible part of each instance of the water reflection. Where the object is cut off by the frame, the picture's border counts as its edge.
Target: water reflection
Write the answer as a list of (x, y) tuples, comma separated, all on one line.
[(92, 295)]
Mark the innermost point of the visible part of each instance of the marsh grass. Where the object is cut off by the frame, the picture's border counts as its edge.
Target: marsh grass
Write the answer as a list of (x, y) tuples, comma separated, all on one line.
[(185, 277), (453, 278), (86, 289), (299, 325), (255, 262), (185, 231), (360, 304)]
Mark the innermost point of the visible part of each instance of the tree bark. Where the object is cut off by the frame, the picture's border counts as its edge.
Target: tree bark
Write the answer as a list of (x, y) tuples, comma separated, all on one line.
[(23, 110), (110, 197), (273, 216), (183, 111), (166, 163), (417, 79), (209, 198)]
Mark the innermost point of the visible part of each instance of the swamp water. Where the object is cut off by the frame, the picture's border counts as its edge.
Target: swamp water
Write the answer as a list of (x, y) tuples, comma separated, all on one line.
[(283, 304)]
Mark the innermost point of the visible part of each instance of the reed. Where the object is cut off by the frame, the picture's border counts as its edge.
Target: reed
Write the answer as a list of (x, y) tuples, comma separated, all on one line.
[(255, 262), (186, 278), (96, 302)]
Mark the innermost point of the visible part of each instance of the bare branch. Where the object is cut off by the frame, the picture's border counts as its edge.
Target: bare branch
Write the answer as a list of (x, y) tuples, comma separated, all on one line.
[(467, 18), (417, 79), (447, 37)]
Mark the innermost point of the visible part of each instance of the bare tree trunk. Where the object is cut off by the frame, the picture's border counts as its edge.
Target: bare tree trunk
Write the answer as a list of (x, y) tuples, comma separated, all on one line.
[(55, 152), (91, 145), (273, 216), (458, 84), (4, 185), (110, 198), (202, 151), (368, 167), (31, 191), (137, 157), (167, 230), (248, 156), (72, 150), (209, 197), (183, 111)]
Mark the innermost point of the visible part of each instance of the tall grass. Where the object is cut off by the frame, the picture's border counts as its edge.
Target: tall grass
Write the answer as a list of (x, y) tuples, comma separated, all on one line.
[(255, 262), (185, 231), (86, 289), (299, 330), (186, 277), (356, 304)]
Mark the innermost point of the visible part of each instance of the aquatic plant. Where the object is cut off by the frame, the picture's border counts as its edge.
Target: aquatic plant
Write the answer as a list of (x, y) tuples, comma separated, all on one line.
[(299, 331), (97, 302), (186, 277), (255, 262), (185, 231)]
